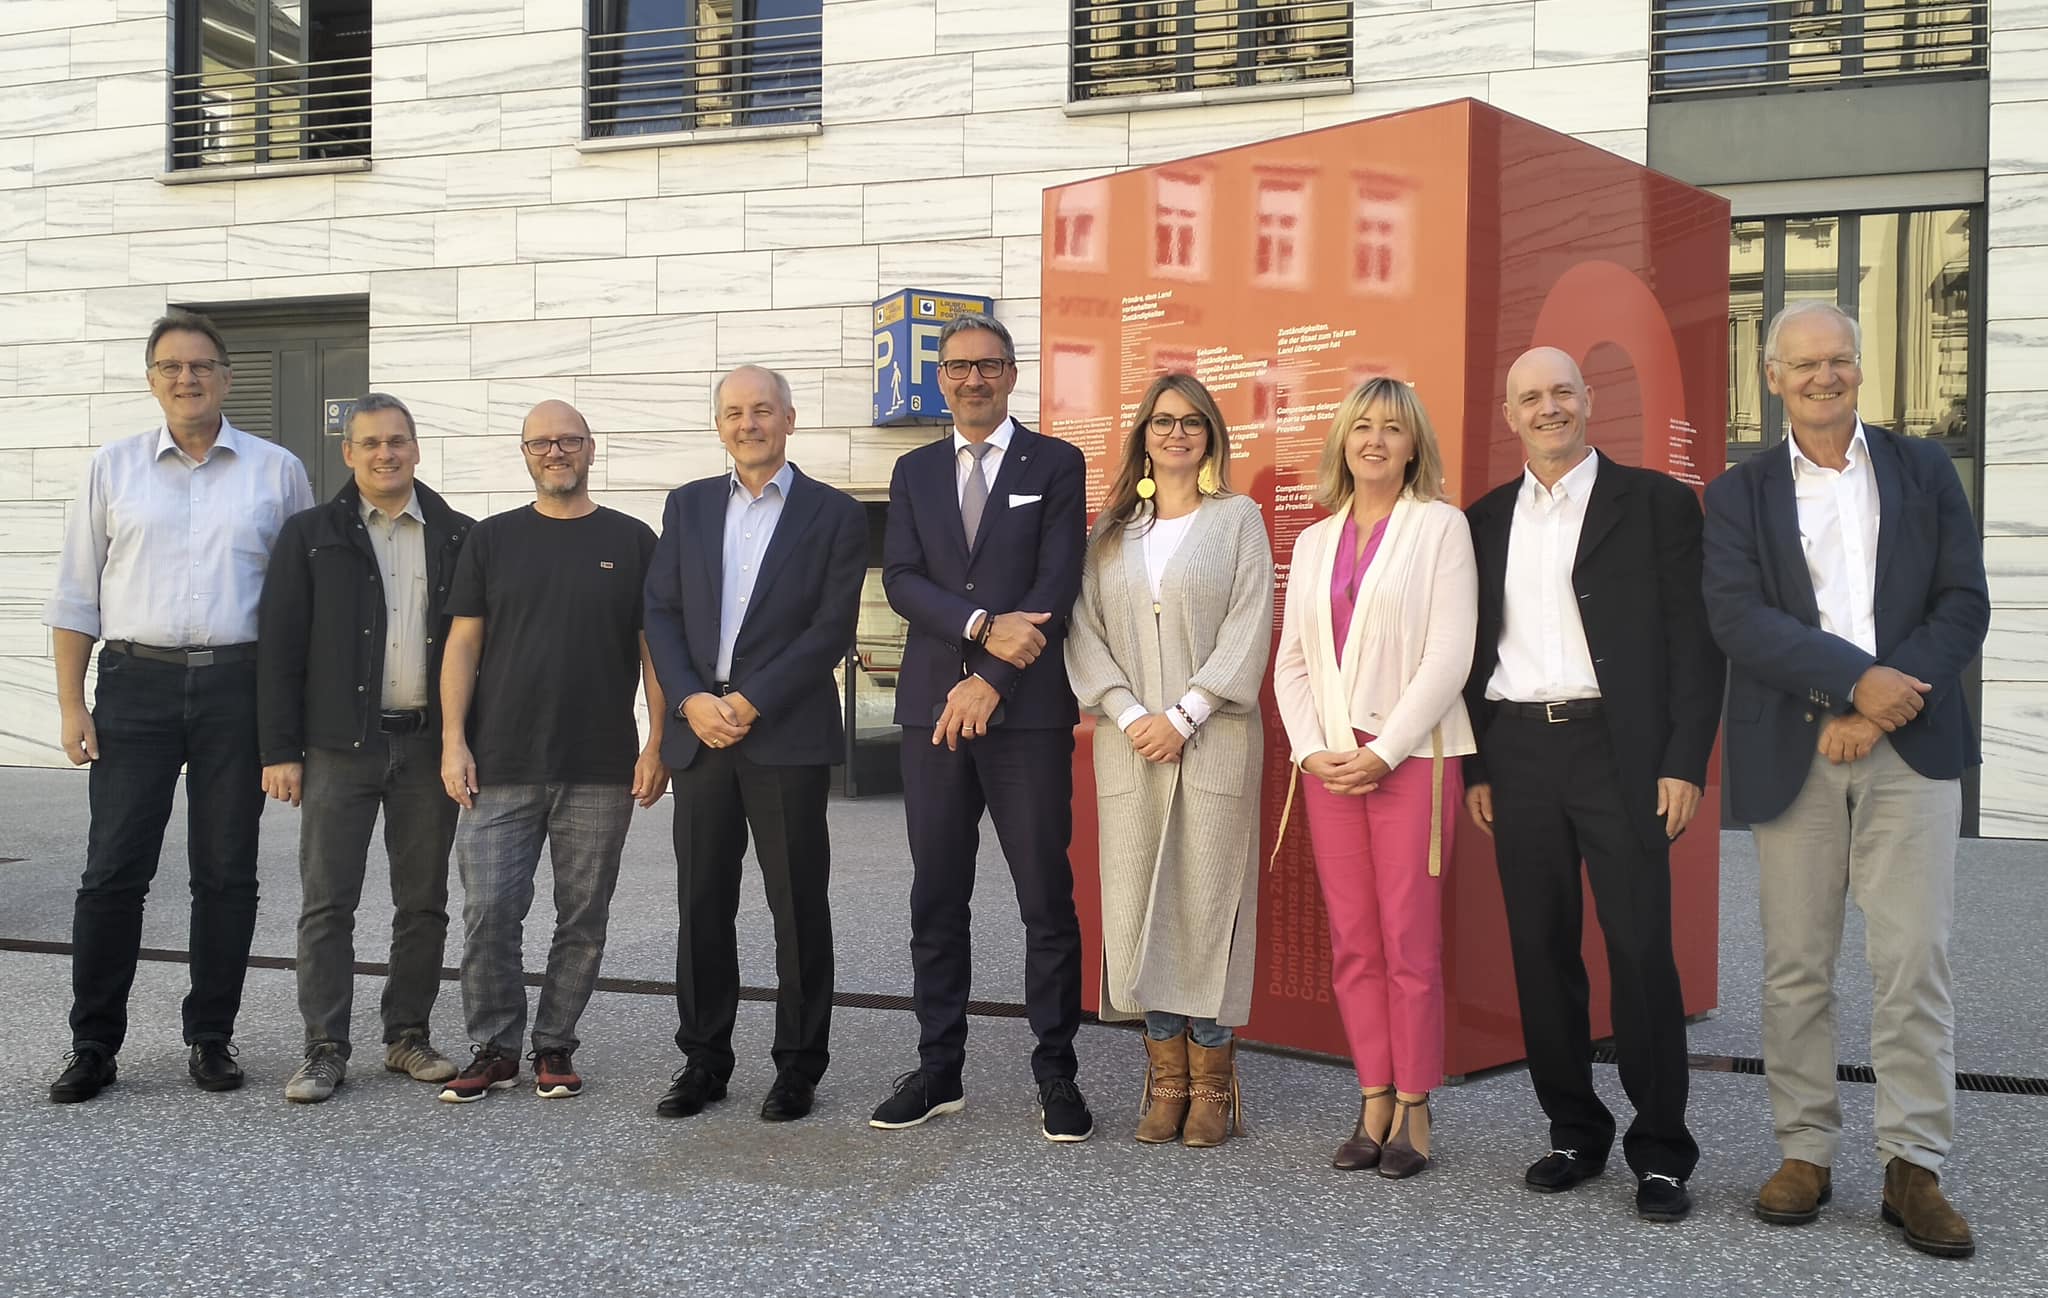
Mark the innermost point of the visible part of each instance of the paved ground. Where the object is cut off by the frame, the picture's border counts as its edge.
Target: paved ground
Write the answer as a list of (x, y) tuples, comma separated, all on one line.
[(156, 1189)]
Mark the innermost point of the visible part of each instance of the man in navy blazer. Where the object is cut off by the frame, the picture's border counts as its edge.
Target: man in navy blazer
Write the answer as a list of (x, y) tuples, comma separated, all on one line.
[(983, 557), (1845, 581), (752, 597)]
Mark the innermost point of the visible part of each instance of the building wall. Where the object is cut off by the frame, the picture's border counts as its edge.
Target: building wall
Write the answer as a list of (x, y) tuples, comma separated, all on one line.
[(503, 265)]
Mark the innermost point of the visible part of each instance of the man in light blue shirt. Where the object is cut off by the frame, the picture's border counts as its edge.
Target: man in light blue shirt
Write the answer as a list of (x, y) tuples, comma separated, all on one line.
[(164, 557)]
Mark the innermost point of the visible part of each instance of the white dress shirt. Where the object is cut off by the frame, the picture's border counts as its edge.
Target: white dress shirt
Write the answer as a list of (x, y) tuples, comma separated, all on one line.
[(400, 543), (749, 525), (1838, 522), (1543, 653), (991, 464), (164, 550), (1161, 541)]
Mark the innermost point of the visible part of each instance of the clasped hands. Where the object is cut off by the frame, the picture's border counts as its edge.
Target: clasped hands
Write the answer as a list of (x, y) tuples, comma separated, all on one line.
[(1885, 698), (1016, 640), (1348, 775), (719, 721)]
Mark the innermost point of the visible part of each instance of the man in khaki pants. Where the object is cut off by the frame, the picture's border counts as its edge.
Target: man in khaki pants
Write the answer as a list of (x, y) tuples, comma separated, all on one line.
[(1845, 581)]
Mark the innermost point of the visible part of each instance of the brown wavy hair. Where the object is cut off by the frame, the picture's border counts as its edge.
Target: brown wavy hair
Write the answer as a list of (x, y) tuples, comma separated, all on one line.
[(1122, 506), (1424, 477)]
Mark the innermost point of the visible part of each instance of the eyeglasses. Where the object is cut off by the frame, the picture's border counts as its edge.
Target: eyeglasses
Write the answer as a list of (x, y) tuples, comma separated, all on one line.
[(1804, 369), (372, 446), (541, 445), (200, 369), (989, 368), (1194, 425)]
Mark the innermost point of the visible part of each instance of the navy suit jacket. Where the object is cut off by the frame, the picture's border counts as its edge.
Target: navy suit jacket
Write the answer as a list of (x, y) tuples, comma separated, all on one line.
[(1027, 559), (798, 625), (1786, 676)]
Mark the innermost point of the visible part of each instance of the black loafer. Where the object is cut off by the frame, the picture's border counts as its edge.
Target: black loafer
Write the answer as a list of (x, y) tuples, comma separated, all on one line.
[(689, 1092), (1662, 1198), (1562, 1169), (213, 1067), (789, 1099), (88, 1070)]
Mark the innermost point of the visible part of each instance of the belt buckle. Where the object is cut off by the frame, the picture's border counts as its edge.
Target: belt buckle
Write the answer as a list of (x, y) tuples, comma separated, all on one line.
[(1550, 714), (199, 658)]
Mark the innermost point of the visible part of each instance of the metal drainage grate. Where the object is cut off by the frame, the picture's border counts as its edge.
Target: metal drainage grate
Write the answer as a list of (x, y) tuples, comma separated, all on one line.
[(1989, 1083)]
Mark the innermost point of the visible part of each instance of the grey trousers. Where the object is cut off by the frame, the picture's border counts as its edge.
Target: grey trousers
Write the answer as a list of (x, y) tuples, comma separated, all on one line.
[(338, 813), (1879, 832), (497, 849)]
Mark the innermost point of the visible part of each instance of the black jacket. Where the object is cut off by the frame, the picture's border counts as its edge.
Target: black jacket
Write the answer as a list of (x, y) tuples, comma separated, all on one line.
[(1637, 576), (320, 628)]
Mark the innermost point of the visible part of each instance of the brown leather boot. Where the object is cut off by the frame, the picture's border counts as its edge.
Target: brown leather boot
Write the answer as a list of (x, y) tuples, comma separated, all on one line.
[(1213, 1114), (1165, 1103), (1795, 1192), (1913, 1200)]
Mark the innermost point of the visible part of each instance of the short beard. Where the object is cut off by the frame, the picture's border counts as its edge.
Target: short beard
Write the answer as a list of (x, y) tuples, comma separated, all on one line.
[(547, 488)]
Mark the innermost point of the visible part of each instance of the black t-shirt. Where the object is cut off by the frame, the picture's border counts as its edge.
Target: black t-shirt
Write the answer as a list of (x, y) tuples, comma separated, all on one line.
[(560, 600)]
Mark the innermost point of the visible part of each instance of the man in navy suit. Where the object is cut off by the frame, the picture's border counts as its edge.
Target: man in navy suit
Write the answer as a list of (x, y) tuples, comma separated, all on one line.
[(1845, 581), (983, 558), (751, 601)]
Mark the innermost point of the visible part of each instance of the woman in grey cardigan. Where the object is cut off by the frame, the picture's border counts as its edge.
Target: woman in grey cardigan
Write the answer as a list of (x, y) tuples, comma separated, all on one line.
[(1168, 644)]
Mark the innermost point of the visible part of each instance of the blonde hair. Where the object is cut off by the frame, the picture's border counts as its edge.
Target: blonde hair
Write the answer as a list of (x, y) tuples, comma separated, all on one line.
[(1424, 476)]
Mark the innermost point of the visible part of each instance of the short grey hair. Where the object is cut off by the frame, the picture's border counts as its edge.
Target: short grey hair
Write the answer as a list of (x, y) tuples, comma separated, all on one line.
[(960, 324), (782, 391), (1797, 310), (370, 403)]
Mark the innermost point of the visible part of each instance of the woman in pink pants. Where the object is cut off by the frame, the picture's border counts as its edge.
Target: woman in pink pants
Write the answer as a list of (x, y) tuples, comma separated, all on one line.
[(1375, 643)]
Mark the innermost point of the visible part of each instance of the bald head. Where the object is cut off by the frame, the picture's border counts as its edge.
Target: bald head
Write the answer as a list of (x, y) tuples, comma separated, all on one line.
[(1548, 404), (559, 451), (552, 418)]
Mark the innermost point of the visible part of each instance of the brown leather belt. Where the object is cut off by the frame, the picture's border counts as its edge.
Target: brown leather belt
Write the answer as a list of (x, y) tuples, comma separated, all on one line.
[(219, 655)]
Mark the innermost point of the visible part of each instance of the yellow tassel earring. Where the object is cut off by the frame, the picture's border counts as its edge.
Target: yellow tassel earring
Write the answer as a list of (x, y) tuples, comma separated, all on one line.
[(1205, 481), (1145, 484)]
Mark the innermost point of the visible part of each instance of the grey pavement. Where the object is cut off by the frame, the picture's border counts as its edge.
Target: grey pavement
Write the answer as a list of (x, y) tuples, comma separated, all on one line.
[(157, 1189)]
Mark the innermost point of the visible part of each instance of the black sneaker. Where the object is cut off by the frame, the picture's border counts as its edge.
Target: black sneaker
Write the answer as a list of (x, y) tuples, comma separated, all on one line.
[(919, 1098), (1067, 1119), (213, 1067), (1662, 1198), (88, 1070)]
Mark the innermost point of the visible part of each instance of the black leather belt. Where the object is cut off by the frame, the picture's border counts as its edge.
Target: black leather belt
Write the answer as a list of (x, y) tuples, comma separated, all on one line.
[(203, 656), (1562, 710), (402, 723)]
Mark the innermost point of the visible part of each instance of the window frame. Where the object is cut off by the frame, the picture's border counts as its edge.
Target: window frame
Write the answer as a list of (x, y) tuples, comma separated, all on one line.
[(187, 18), (735, 58)]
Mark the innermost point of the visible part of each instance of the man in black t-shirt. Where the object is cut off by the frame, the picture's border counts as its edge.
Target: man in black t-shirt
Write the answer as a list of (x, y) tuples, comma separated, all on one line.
[(539, 744)]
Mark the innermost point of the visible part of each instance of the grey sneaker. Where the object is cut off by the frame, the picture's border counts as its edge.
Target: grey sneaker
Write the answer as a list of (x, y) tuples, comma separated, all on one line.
[(415, 1056), (318, 1076)]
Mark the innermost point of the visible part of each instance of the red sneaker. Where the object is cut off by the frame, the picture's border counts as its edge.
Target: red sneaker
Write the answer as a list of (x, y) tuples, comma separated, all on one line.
[(554, 1075), (488, 1071)]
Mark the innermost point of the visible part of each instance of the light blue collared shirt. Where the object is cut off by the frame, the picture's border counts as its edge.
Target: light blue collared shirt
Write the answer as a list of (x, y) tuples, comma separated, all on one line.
[(165, 550), (749, 525)]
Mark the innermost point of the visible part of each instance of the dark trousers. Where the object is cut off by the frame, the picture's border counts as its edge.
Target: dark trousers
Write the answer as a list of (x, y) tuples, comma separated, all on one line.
[(1556, 801), (342, 793), (152, 719), (719, 798), (1024, 778)]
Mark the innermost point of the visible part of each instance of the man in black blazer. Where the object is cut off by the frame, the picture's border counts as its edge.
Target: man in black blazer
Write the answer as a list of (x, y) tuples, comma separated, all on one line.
[(752, 596), (1845, 579), (1594, 694), (983, 558)]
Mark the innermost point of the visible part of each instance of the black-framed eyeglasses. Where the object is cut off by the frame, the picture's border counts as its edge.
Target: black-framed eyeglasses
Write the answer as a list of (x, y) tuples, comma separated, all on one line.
[(990, 367), (1194, 425), (541, 445), (200, 369)]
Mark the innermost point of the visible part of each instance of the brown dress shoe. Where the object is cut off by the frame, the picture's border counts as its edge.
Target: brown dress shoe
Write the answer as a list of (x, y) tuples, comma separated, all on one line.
[(1213, 1112), (1363, 1150), (1165, 1102), (1795, 1192), (1913, 1200)]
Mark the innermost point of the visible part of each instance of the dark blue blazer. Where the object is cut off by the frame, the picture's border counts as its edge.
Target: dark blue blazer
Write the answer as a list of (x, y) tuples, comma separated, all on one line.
[(798, 626), (1027, 559), (1785, 675)]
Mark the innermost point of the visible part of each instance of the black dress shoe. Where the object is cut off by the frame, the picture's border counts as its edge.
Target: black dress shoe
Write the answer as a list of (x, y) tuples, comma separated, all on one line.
[(1562, 1169), (213, 1067), (1662, 1198), (790, 1098), (88, 1070), (689, 1092)]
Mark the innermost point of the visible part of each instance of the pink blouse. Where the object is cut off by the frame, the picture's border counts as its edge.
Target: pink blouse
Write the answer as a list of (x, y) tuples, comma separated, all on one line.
[(1345, 574)]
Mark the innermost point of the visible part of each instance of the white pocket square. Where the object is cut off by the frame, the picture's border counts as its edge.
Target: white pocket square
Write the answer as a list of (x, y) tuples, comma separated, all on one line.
[(1016, 500)]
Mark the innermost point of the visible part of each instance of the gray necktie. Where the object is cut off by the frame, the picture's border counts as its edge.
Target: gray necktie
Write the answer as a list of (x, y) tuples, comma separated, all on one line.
[(975, 498)]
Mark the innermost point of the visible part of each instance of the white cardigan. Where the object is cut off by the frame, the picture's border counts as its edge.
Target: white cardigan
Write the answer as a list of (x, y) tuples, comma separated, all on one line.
[(1409, 648)]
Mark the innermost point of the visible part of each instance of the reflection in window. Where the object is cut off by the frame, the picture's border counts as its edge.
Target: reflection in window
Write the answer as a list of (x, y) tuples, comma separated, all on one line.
[(1079, 226), (1180, 219), (659, 66), (260, 81), (1281, 219), (1382, 234), (1746, 323), (1717, 46), (1141, 47), (1074, 374)]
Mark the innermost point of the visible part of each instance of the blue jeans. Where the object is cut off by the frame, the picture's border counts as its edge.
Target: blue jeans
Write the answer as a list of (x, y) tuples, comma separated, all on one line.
[(1206, 1033), (497, 849)]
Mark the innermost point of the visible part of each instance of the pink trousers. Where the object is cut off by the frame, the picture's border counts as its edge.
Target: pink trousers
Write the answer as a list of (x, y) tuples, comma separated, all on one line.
[(1386, 919)]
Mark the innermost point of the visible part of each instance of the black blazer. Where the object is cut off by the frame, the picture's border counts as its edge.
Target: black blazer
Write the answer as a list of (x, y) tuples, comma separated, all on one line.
[(1637, 576), (798, 625), (321, 626), (1786, 675), (1027, 558)]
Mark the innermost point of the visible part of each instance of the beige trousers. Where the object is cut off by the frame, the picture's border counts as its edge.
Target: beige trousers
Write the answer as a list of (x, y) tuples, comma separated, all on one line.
[(1879, 832)]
